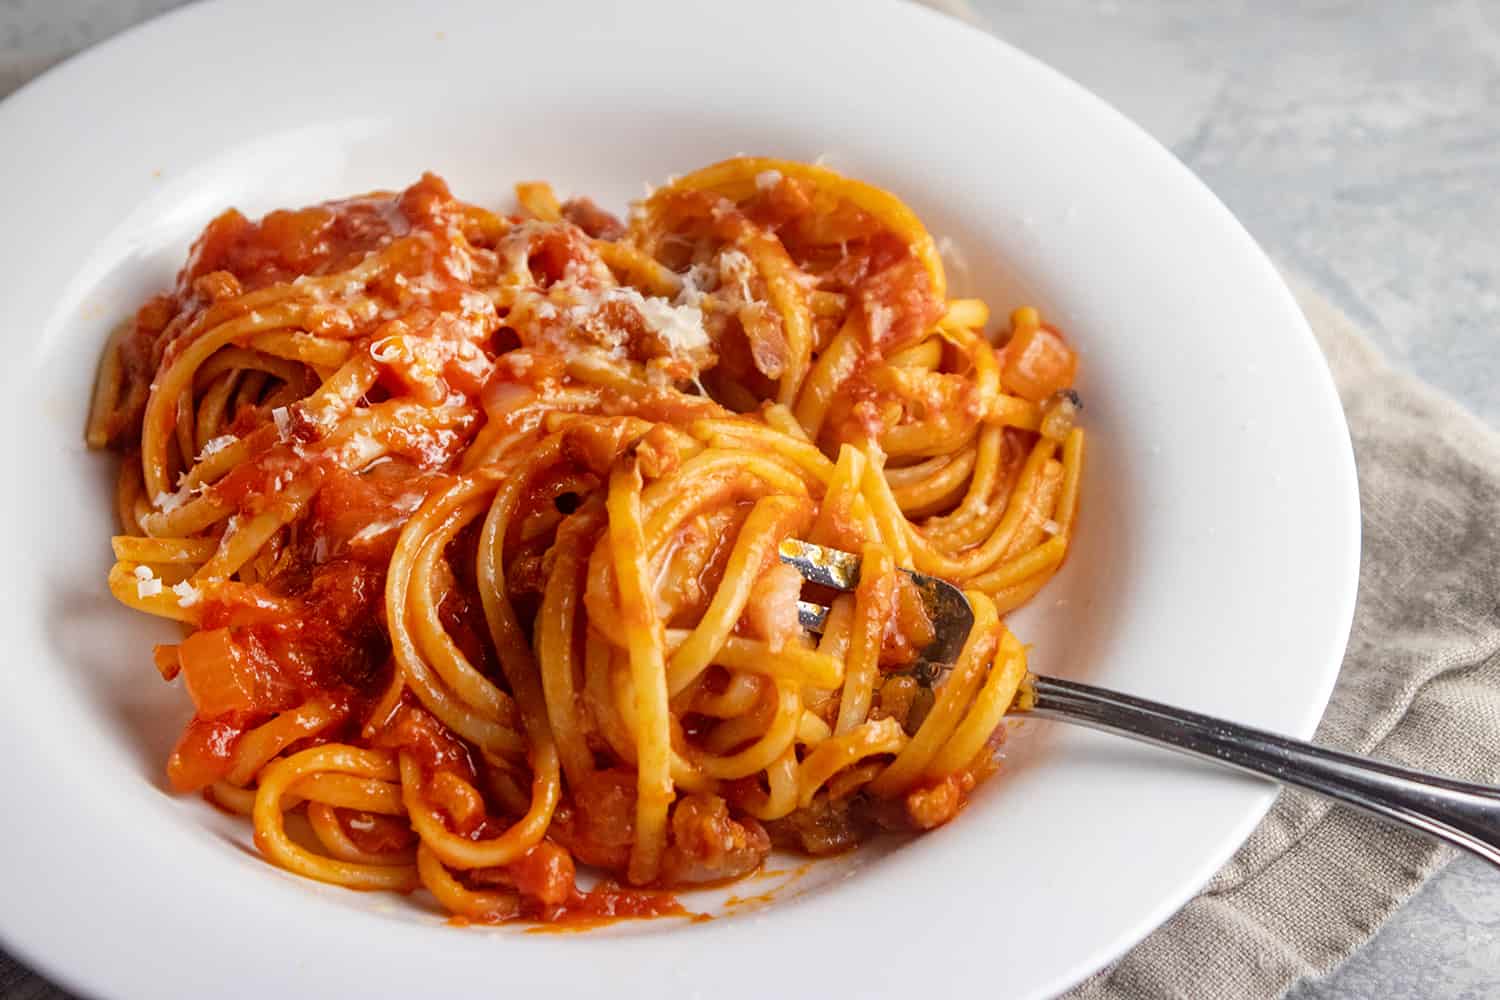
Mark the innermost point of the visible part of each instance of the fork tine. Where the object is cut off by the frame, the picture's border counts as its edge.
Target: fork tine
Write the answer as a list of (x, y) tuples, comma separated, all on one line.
[(951, 615), (812, 616), (819, 564), (946, 606)]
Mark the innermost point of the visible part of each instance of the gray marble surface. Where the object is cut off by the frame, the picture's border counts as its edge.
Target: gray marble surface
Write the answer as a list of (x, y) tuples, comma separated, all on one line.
[(1358, 140)]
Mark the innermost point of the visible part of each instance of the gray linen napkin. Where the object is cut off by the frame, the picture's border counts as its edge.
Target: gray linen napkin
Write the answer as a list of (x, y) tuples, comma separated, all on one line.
[(1420, 685), (19, 983)]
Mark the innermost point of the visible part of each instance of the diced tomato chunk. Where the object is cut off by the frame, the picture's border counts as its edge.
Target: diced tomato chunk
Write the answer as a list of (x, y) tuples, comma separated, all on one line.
[(203, 754), (710, 846), (1037, 363), (936, 804), (164, 655), (223, 676), (598, 826), (300, 238), (545, 873)]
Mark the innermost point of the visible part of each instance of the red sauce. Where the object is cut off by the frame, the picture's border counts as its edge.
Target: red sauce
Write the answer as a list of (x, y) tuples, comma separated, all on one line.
[(203, 754), (377, 834), (413, 730), (318, 240), (606, 903), (315, 623)]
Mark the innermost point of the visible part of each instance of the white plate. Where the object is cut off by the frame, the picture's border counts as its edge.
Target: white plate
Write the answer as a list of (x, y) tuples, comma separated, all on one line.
[(1215, 567)]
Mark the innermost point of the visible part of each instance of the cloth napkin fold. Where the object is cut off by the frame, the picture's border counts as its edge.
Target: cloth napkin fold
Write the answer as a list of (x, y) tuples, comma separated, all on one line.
[(1420, 685)]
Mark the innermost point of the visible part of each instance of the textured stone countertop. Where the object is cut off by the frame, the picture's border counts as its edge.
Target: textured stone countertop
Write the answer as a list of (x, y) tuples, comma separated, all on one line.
[(1358, 140)]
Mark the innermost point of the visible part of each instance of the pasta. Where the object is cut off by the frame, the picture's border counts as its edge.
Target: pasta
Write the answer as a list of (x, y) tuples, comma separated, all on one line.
[(471, 523)]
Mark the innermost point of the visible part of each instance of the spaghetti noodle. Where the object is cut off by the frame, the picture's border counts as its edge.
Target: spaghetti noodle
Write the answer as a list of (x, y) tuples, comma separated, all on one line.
[(472, 523)]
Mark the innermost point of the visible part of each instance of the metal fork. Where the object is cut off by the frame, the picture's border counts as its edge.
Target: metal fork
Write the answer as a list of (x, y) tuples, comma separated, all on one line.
[(1459, 812)]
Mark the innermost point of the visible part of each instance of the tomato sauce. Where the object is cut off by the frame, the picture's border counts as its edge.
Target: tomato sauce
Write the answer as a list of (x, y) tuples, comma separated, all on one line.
[(604, 904), (312, 624)]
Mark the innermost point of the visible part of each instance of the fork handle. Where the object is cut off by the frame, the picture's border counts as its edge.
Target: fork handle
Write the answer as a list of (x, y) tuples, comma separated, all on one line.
[(1461, 813)]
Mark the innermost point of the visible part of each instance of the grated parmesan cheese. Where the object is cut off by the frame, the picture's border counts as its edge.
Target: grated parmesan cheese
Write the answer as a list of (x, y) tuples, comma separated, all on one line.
[(146, 583), (168, 502), (1051, 527), (736, 264), (364, 824), (767, 179), (476, 302), (427, 284), (216, 445), (881, 318), (681, 327), (187, 594), (696, 283), (283, 421)]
